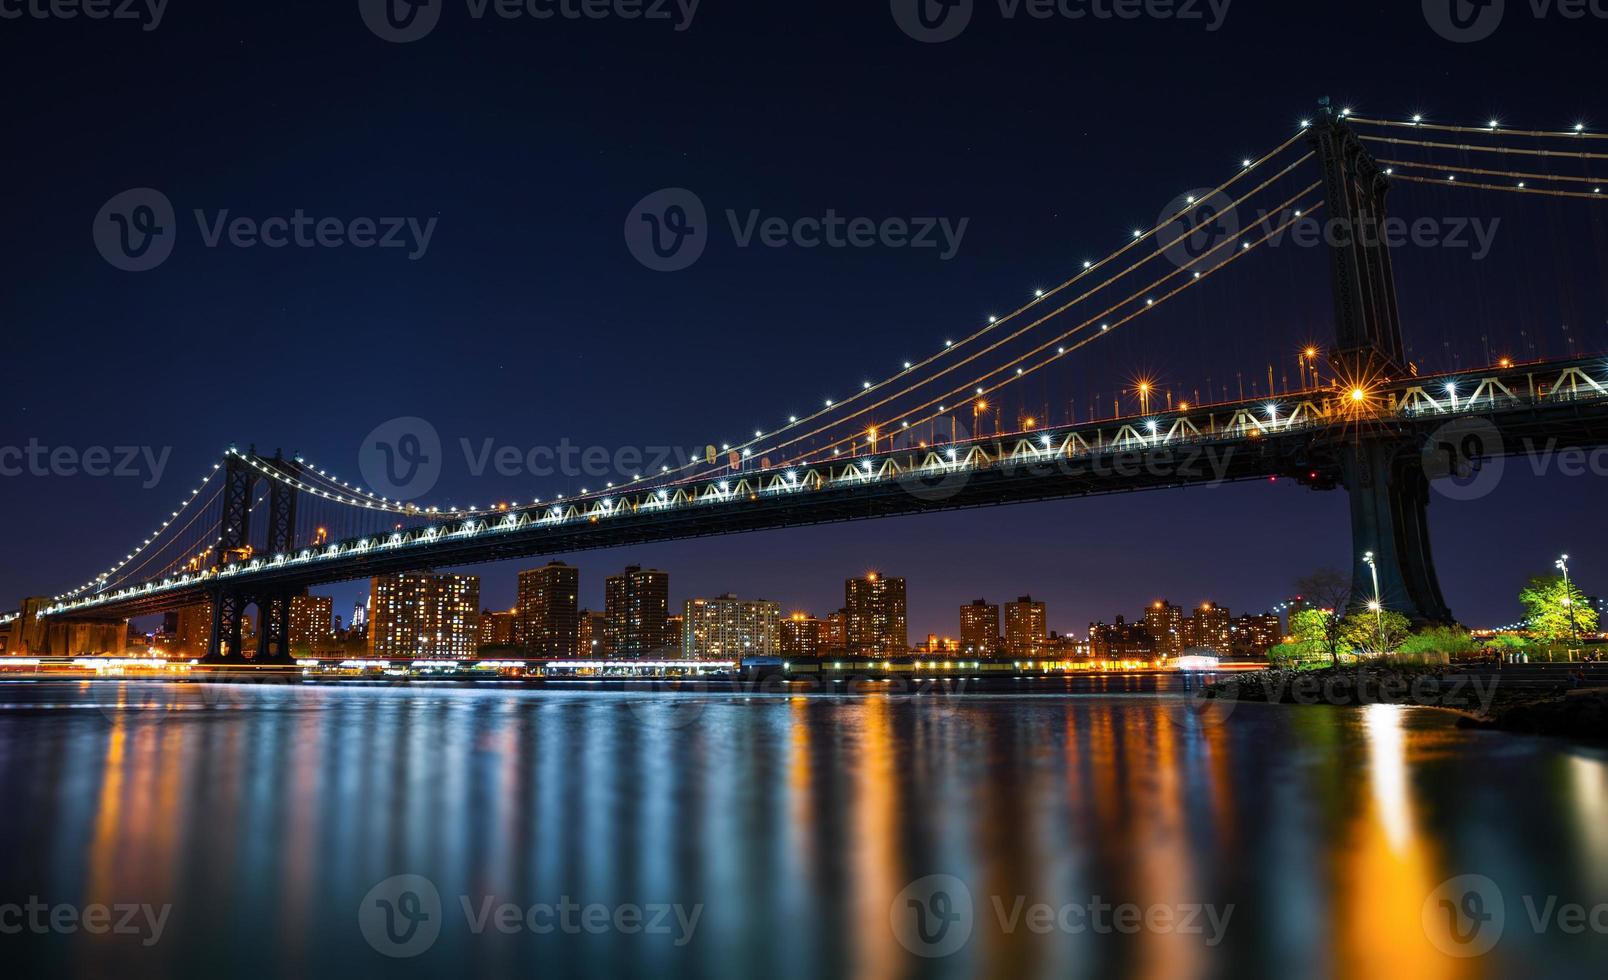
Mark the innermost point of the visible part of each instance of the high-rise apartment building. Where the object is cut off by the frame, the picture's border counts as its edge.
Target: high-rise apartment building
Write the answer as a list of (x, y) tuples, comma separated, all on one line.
[(637, 603), (1165, 622), (1026, 631), (799, 637), (876, 625), (548, 621), (497, 628), (424, 615), (312, 623), (1211, 628), (729, 628), (979, 629)]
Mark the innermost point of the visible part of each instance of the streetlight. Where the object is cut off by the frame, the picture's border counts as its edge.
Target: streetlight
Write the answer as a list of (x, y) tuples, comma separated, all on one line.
[(1377, 605), (1568, 598)]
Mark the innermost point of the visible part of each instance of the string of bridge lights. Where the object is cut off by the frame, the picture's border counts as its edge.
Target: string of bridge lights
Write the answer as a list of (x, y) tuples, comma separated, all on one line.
[(200, 513), (1106, 326), (360, 497), (154, 535), (1578, 131), (368, 500), (1139, 237)]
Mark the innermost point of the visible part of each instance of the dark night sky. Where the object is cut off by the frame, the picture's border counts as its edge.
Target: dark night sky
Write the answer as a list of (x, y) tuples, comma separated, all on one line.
[(528, 321)]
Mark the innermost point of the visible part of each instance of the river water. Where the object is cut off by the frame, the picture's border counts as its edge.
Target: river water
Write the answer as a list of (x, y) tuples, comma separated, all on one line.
[(311, 831)]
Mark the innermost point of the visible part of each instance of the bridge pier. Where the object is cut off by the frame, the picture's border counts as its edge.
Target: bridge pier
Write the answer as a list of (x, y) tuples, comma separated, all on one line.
[(223, 643), (1389, 517)]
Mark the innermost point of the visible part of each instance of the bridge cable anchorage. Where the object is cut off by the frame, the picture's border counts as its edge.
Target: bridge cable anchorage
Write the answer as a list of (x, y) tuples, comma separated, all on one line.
[(1237, 254), (909, 388)]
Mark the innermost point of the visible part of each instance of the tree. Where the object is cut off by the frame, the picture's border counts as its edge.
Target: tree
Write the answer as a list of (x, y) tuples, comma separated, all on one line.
[(1381, 632), (1326, 593), (1320, 630), (1548, 605)]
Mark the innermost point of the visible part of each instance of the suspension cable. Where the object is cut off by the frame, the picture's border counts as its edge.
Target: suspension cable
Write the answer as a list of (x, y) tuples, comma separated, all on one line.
[(1098, 318)]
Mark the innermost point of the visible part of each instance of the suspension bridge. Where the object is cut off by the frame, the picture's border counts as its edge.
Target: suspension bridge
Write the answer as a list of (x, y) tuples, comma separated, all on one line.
[(258, 530)]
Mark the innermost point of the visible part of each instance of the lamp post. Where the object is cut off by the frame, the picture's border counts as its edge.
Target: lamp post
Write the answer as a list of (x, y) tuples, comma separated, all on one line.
[(1377, 605), (1568, 599)]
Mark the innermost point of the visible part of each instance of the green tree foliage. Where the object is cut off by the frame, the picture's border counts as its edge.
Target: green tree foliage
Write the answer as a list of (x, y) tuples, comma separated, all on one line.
[(1454, 643), (1320, 630), (1548, 605), (1382, 632)]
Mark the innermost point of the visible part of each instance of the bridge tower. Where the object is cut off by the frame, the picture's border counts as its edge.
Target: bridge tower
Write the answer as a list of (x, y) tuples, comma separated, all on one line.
[(273, 632), (228, 607), (240, 484), (1384, 475)]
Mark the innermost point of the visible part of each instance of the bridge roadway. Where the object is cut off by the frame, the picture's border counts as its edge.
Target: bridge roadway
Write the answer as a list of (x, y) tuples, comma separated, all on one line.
[(1452, 421)]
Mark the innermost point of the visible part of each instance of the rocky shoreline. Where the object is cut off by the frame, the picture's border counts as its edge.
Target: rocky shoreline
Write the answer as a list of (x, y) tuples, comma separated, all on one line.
[(1479, 696)]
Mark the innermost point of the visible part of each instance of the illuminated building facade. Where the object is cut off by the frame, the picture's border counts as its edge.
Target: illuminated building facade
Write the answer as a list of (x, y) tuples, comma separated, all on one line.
[(549, 620), (312, 619), (979, 629), (497, 629), (729, 628), (637, 603), (799, 637), (1165, 622), (1211, 628), (834, 634), (594, 635), (877, 625), (1026, 633), (1254, 636), (424, 615)]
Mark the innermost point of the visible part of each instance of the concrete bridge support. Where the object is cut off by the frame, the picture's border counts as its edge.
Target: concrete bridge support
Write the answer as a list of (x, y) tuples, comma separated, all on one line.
[(1390, 517)]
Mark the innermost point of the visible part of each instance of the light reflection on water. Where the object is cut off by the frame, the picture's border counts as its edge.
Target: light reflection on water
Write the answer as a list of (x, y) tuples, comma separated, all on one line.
[(264, 815)]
